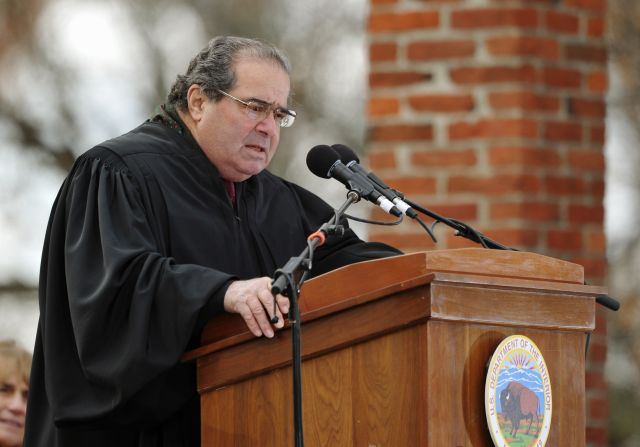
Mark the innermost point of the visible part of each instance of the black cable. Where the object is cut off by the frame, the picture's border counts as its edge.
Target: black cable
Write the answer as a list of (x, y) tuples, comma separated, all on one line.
[(374, 222), (461, 228), (426, 228)]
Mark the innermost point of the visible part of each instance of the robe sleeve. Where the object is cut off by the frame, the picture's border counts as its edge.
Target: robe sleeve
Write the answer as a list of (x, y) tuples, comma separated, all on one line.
[(117, 314)]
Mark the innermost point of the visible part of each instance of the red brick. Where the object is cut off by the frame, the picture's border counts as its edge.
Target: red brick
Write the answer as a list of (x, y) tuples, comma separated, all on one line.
[(599, 329), (524, 100), (591, 5), (524, 46), (514, 237), (595, 27), (403, 21), (412, 185), (595, 380), (594, 108), (498, 184), (461, 211), (494, 128), (383, 52), (595, 269), (562, 131), (564, 240), (583, 214), (383, 106), (397, 78), (402, 132), (597, 241), (442, 103), (437, 158), (596, 189), (494, 17), (597, 436), (440, 49), (564, 185), (562, 22), (562, 77), (601, 320), (597, 81), (596, 54), (493, 74), (523, 156), (382, 159), (597, 352), (532, 211), (596, 135), (598, 409), (586, 160)]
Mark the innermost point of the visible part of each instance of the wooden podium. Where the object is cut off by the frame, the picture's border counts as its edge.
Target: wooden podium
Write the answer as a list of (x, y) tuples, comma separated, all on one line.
[(395, 353)]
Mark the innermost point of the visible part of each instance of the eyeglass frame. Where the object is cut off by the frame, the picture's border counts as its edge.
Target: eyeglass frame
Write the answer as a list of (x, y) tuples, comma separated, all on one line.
[(289, 115)]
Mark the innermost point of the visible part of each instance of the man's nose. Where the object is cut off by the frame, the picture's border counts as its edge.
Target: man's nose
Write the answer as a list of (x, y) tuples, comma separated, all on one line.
[(268, 125)]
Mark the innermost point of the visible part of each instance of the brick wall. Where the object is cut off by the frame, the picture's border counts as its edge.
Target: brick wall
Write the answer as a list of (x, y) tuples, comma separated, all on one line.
[(492, 112)]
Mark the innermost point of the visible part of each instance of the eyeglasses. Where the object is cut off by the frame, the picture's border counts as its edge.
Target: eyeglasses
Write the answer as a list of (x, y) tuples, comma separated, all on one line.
[(258, 110)]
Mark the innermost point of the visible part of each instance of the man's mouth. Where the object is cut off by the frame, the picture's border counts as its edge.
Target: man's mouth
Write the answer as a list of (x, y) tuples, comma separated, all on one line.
[(257, 148)]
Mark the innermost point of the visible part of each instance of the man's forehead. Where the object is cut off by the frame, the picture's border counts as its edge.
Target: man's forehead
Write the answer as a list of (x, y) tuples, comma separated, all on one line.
[(261, 73)]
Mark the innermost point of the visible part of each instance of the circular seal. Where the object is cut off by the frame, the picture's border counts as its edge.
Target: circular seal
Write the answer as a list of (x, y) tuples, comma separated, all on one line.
[(517, 394)]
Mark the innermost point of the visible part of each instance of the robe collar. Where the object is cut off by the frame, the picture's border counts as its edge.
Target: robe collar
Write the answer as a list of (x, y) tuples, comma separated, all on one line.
[(166, 115)]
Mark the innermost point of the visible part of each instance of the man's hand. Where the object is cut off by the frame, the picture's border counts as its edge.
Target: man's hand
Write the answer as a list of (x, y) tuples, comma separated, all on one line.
[(252, 299)]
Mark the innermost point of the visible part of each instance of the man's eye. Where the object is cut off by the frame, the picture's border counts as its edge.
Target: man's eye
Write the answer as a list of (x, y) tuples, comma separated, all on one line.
[(257, 107)]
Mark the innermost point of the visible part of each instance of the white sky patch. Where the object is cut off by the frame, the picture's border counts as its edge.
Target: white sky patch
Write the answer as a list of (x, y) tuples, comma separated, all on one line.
[(622, 218), (25, 213)]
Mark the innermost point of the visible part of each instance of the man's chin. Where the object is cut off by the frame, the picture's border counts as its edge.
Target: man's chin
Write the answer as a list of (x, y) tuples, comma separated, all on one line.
[(248, 171)]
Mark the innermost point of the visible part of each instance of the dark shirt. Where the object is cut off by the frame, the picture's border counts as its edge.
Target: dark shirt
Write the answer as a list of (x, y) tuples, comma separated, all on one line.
[(141, 245)]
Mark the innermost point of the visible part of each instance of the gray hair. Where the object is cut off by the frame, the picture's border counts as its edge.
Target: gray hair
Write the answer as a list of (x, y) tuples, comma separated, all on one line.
[(212, 67)]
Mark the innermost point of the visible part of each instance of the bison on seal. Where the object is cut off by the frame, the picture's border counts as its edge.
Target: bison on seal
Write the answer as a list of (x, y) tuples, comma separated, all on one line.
[(519, 402)]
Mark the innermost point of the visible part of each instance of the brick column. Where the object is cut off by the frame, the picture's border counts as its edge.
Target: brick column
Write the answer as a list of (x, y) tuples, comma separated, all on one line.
[(492, 112)]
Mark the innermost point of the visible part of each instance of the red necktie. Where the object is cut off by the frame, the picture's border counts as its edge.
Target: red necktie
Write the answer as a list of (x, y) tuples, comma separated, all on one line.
[(231, 190)]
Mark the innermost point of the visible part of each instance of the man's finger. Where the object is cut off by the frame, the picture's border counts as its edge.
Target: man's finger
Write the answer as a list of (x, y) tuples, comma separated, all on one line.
[(247, 315), (259, 313)]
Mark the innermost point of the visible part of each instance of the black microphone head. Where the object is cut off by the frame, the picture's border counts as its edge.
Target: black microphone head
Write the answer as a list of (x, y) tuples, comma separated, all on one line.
[(320, 160), (346, 154)]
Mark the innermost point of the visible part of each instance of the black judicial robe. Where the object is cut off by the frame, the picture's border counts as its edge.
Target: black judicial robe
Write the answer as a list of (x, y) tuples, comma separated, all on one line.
[(140, 247)]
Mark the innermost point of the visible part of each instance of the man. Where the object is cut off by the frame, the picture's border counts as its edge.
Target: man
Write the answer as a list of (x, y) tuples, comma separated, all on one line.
[(152, 234), (15, 364)]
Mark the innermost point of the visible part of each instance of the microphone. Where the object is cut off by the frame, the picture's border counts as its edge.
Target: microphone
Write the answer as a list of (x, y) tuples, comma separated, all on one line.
[(324, 162), (351, 160)]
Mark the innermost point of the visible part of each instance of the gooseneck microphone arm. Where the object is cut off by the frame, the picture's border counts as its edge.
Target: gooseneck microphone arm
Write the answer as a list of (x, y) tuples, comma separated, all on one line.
[(288, 281), (350, 159), (461, 228)]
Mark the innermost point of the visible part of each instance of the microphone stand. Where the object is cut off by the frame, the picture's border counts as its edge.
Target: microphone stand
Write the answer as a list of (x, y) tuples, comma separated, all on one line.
[(462, 229), (466, 231), (284, 282)]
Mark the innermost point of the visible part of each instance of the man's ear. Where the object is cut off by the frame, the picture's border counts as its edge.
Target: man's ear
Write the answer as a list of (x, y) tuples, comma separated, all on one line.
[(196, 99)]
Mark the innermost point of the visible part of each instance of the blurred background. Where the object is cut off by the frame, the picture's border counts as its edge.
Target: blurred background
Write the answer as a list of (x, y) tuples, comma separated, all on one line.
[(74, 73)]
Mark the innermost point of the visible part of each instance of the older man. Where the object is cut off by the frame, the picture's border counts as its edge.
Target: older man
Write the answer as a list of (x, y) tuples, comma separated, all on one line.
[(155, 232)]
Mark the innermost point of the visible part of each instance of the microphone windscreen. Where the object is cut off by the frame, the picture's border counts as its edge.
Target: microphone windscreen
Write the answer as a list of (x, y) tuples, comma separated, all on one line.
[(347, 155), (320, 160)]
